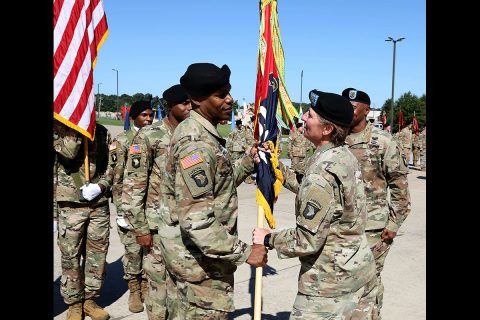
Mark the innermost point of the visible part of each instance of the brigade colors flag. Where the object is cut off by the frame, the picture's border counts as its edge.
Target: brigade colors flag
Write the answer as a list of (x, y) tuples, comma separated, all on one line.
[(80, 29), (272, 106)]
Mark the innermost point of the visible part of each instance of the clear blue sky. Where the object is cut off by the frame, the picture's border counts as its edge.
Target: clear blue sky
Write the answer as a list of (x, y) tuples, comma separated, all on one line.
[(337, 44)]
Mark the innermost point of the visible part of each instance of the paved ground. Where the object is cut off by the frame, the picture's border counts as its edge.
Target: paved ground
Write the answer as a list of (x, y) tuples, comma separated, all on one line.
[(404, 275)]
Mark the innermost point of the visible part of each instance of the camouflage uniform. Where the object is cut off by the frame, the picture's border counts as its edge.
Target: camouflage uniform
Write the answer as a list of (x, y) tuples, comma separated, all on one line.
[(198, 225), (423, 149), (383, 170), (132, 259), (298, 147), (250, 142), (405, 140), (337, 273), (83, 227), (237, 143), (417, 146), (141, 197)]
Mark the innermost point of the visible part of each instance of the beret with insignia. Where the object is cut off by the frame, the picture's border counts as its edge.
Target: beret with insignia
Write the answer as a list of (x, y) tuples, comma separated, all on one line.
[(332, 107), (203, 79), (138, 107), (353, 94)]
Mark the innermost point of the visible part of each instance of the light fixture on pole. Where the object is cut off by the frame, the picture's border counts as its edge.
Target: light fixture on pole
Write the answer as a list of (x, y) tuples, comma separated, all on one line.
[(99, 98), (117, 87), (393, 78)]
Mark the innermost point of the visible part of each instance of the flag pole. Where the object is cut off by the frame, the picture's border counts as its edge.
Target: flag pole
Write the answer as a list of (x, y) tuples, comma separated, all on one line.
[(257, 306), (86, 164)]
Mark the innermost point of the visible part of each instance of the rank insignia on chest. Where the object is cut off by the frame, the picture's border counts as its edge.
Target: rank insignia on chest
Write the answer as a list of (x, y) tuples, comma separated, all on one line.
[(191, 160), (134, 149)]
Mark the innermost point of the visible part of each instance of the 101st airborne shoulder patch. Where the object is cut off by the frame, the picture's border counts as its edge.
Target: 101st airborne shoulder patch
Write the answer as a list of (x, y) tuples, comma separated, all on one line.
[(196, 175), (314, 208)]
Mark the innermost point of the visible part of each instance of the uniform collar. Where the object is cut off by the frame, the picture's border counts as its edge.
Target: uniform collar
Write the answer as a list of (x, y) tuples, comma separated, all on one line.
[(207, 125), (360, 137), (325, 147)]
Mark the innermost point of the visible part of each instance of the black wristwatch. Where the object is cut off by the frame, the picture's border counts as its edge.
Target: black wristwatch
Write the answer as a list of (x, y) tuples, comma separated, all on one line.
[(266, 241)]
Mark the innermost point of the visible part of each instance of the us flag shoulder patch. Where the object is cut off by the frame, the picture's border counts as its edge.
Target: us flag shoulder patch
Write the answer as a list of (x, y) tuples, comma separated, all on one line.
[(191, 160), (135, 148)]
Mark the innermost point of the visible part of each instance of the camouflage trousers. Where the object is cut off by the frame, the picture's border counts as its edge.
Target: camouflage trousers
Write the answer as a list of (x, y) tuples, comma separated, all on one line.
[(206, 300), (358, 305), (160, 288), (380, 250), (298, 164), (416, 156), (423, 159), (82, 231), (132, 259)]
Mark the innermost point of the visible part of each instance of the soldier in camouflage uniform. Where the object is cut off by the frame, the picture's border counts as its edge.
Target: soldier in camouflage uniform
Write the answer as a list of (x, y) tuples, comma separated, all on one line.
[(237, 141), (423, 149), (405, 140), (384, 171), (298, 148), (142, 115), (83, 218), (250, 141), (417, 145), (198, 228), (141, 197), (337, 273)]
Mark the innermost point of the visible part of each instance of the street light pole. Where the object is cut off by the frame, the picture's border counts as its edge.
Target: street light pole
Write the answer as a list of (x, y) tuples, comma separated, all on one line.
[(393, 78), (117, 86), (98, 94)]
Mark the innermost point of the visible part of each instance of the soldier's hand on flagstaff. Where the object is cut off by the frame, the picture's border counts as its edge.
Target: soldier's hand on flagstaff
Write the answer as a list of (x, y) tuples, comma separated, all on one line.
[(145, 241), (259, 234), (122, 223), (258, 257), (90, 191)]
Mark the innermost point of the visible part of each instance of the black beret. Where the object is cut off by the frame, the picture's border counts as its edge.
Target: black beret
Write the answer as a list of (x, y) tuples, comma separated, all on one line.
[(238, 122), (138, 107), (353, 94), (203, 79), (175, 94), (332, 107)]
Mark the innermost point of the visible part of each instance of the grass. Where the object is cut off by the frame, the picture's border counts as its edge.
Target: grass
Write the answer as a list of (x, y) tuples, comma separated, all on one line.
[(110, 122)]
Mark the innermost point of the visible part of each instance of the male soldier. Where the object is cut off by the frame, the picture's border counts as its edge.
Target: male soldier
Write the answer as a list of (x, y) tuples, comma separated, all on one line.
[(417, 145), (198, 229), (405, 139), (83, 218), (384, 171), (423, 152), (141, 194), (142, 115), (337, 273), (237, 142), (298, 148)]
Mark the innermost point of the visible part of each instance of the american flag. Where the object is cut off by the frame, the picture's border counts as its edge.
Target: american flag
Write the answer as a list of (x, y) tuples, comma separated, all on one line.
[(134, 149), (80, 28), (191, 160)]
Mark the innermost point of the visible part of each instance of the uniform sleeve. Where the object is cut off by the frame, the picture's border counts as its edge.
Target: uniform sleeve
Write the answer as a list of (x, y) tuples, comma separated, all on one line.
[(106, 179), (135, 182), (314, 214), (396, 174), (242, 168), (116, 161), (228, 144), (194, 190), (290, 143), (289, 178), (154, 182)]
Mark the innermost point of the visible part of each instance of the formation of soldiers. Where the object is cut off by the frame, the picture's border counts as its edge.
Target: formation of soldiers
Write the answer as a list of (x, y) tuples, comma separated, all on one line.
[(174, 186), (413, 144)]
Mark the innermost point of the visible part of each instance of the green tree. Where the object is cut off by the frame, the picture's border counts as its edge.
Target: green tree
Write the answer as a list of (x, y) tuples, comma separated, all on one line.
[(409, 104)]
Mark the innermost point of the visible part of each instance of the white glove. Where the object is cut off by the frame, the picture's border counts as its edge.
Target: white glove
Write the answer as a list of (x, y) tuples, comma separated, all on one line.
[(90, 191), (121, 223), (55, 226)]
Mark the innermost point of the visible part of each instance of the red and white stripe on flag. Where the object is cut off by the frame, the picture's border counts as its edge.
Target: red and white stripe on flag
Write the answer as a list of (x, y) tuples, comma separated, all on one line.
[(80, 28)]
